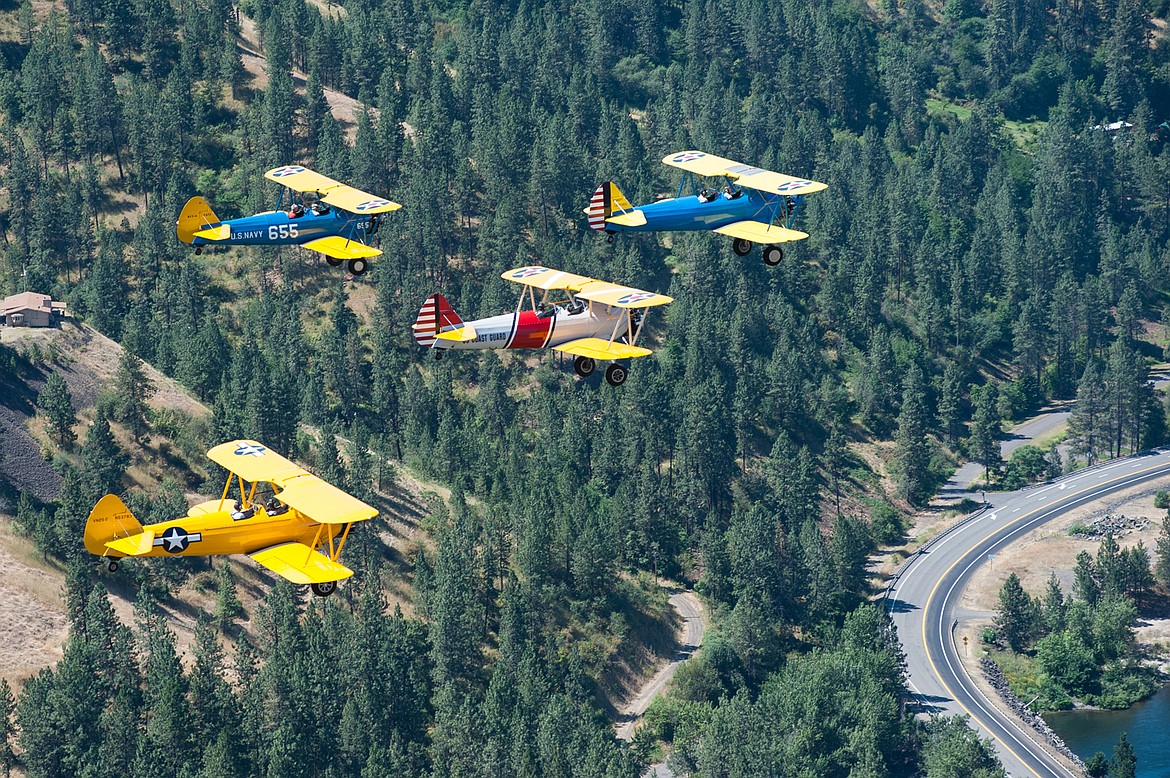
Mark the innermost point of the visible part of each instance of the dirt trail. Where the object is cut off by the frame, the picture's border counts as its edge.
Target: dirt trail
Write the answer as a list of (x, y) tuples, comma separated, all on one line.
[(690, 636)]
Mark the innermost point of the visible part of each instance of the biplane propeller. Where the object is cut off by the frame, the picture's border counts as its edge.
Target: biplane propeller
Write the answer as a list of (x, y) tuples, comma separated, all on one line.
[(322, 214), (754, 206), (594, 320), (282, 516)]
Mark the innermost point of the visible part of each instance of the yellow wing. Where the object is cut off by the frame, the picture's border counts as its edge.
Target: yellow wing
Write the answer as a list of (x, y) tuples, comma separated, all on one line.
[(301, 564), (621, 296), (703, 164), (323, 502), (335, 193), (340, 248), (596, 348), (545, 278), (356, 201), (301, 179), (758, 232), (253, 462)]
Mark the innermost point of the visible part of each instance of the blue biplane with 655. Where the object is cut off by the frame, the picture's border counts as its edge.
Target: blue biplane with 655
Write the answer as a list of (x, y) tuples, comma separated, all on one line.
[(322, 214), (754, 206)]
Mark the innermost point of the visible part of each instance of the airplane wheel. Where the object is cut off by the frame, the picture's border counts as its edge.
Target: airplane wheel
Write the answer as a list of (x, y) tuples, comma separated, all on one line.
[(333, 261), (741, 247), (112, 566), (615, 374), (584, 366), (438, 355), (324, 589), (358, 266), (773, 256), (198, 250)]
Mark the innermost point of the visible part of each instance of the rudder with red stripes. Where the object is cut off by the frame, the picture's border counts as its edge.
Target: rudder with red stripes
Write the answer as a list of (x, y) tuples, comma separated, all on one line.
[(606, 198), (436, 314)]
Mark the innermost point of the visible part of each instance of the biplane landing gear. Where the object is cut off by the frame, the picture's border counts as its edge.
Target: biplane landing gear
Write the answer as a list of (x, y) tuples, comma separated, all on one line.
[(773, 255), (741, 247), (333, 261), (198, 250), (324, 589), (358, 266), (112, 566), (438, 355), (615, 374), (584, 366)]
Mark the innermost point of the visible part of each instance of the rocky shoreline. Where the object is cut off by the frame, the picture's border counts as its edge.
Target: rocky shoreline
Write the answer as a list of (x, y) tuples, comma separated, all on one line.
[(1033, 719)]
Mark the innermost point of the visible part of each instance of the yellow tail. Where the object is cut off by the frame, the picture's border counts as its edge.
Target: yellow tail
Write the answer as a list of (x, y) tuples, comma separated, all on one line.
[(109, 520), (197, 215)]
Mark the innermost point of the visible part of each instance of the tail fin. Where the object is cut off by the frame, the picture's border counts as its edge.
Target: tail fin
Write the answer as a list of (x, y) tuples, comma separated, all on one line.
[(109, 520), (435, 314), (605, 199), (196, 215)]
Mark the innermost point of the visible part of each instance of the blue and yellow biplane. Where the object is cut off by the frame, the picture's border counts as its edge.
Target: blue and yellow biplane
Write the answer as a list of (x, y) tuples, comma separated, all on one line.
[(754, 205), (322, 214)]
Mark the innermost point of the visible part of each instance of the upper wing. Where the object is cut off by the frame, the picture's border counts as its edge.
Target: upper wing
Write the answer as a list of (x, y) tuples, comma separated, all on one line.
[(584, 287), (703, 164), (353, 200), (301, 564), (758, 232), (301, 179), (621, 296), (340, 248), (545, 278), (254, 462), (323, 502), (596, 348), (335, 193)]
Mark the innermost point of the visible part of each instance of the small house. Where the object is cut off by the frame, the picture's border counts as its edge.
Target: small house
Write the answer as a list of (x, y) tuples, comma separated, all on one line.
[(31, 309)]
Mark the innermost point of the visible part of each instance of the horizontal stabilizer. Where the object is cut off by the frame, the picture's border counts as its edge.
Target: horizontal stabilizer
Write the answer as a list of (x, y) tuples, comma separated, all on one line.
[(135, 545), (222, 232), (628, 219), (461, 334), (300, 564), (758, 232), (340, 248), (596, 348)]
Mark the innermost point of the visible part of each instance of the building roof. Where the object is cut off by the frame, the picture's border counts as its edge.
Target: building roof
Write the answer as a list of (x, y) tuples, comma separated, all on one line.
[(29, 301)]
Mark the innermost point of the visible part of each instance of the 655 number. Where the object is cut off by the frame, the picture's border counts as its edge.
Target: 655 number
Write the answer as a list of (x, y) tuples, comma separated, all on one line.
[(277, 231)]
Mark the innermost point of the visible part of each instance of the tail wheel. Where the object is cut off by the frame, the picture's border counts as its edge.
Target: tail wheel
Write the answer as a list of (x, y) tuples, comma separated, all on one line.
[(358, 266), (333, 261), (324, 589), (615, 374), (112, 566), (198, 250), (773, 255), (741, 247), (584, 366)]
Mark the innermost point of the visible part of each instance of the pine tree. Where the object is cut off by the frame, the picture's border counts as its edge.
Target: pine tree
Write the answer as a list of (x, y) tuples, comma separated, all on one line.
[(983, 444), (57, 404), (227, 603), (912, 447), (1017, 614), (133, 389), (1124, 760), (102, 460), (1162, 553), (7, 709)]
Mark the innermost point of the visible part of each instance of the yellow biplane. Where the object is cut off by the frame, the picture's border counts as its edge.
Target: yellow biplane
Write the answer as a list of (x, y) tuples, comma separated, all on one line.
[(282, 516)]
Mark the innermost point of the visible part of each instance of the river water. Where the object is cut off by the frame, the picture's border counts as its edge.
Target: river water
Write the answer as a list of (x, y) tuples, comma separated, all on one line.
[(1147, 724)]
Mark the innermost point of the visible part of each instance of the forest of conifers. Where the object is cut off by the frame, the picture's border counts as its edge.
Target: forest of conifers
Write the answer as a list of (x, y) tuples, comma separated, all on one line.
[(985, 245)]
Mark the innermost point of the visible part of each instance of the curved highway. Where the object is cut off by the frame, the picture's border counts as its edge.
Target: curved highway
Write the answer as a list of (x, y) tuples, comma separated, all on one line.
[(924, 599)]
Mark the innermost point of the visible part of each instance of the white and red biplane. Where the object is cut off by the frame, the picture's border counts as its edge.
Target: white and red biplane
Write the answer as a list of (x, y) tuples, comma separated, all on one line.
[(596, 320)]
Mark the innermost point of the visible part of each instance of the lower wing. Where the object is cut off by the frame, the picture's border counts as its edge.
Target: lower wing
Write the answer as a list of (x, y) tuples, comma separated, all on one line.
[(596, 348), (300, 564), (759, 232), (340, 248)]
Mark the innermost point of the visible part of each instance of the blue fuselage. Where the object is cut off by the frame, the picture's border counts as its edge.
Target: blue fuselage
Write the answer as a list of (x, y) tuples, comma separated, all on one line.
[(275, 227), (688, 213)]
